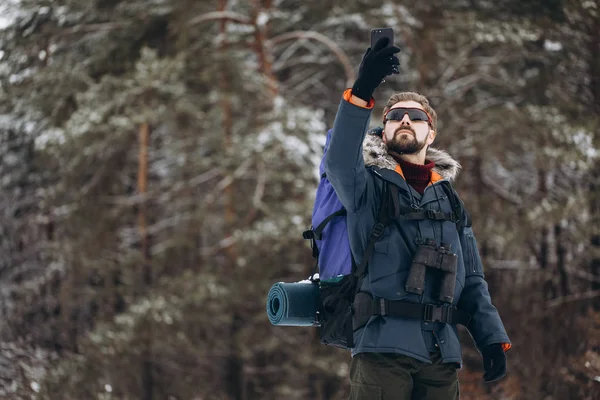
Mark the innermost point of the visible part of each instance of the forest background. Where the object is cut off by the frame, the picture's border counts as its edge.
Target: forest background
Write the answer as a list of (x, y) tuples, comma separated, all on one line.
[(158, 163)]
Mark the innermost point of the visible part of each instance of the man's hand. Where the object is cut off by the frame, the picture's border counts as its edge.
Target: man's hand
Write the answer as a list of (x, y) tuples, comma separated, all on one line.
[(494, 362), (377, 63)]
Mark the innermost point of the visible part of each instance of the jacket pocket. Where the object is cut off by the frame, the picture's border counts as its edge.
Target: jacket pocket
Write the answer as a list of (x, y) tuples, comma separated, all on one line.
[(379, 266), (474, 266), (387, 272)]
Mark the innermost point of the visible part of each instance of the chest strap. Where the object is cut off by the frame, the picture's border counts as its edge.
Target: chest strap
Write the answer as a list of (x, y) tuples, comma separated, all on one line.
[(411, 214), (365, 307)]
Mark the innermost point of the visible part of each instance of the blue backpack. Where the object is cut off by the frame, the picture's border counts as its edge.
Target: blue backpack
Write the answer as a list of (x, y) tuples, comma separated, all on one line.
[(334, 258), (339, 277)]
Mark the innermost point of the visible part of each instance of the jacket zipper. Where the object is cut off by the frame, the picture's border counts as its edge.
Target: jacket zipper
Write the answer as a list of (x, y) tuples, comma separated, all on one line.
[(471, 253), (437, 341)]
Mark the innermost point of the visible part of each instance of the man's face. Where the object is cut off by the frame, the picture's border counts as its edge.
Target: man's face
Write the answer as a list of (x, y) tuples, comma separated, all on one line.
[(406, 136)]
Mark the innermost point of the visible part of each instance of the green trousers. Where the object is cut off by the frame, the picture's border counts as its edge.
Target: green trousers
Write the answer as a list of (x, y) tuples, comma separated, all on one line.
[(389, 376)]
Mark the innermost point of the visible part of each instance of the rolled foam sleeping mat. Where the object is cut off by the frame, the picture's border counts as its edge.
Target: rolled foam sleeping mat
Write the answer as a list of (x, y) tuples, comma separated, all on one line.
[(293, 304)]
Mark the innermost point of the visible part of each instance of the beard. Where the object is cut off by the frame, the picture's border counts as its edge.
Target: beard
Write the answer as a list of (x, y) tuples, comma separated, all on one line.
[(405, 143)]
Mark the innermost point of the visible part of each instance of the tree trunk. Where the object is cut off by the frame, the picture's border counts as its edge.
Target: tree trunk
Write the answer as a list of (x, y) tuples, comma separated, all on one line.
[(225, 90), (427, 54), (561, 266), (260, 35), (234, 366), (595, 230), (594, 69), (145, 277)]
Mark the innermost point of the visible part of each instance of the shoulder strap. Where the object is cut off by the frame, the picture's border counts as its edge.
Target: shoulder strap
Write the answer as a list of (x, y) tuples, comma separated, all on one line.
[(319, 229), (317, 233), (462, 216), (389, 199)]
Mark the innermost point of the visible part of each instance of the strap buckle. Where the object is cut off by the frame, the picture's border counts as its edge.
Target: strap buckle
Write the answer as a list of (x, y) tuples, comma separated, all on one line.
[(309, 234), (383, 307), (454, 218), (378, 230), (380, 307), (435, 215), (447, 312), (433, 313)]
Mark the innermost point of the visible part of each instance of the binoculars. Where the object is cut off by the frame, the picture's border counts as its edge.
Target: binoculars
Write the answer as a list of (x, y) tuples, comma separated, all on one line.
[(441, 258)]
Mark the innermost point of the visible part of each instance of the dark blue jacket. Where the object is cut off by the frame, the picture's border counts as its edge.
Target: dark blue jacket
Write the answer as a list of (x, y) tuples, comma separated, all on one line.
[(359, 190)]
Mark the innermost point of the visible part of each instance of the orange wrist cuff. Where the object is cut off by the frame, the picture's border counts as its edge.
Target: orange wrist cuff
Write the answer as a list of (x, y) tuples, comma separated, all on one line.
[(348, 98)]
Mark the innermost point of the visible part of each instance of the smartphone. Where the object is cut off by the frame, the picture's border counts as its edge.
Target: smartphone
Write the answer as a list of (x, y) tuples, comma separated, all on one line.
[(378, 33)]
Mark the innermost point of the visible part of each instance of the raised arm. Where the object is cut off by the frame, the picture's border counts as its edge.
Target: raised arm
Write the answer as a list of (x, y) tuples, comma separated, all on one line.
[(344, 164)]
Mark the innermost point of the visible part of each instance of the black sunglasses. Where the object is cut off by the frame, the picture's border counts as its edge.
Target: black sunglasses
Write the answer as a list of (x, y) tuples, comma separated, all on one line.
[(415, 115)]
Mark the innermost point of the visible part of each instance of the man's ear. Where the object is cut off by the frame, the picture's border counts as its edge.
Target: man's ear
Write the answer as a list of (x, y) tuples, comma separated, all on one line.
[(431, 136)]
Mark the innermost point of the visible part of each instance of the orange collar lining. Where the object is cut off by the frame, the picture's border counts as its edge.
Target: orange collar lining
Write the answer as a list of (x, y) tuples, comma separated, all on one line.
[(435, 177)]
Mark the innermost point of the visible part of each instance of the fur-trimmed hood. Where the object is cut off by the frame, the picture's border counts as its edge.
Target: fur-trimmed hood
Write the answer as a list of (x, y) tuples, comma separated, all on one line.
[(375, 153)]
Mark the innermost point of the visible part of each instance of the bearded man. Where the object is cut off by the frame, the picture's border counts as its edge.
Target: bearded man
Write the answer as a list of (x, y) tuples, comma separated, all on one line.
[(425, 274)]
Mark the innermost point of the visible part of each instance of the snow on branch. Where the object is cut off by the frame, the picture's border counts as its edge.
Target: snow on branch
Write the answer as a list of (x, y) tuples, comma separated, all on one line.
[(221, 15), (590, 294), (330, 44)]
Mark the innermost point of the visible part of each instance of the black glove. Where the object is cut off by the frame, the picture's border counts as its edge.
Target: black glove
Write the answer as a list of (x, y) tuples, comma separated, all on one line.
[(494, 362), (377, 63)]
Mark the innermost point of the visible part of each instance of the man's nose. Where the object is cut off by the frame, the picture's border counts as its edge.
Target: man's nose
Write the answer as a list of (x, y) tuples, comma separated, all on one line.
[(405, 120)]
